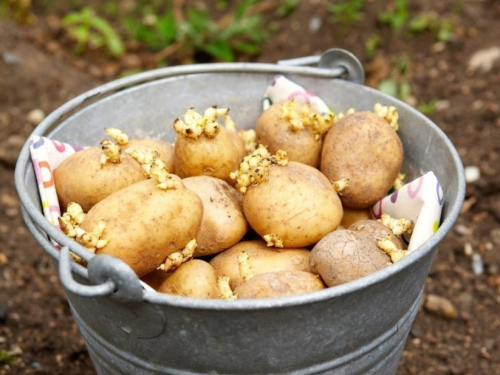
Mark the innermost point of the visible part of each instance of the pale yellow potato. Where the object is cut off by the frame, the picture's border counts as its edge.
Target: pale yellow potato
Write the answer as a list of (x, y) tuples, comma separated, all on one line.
[(262, 259), (205, 156), (195, 278), (297, 203), (274, 132), (363, 148), (346, 255), (279, 284), (223, 222), (164, 149), (145, 224), (82, 179), (351, 216)]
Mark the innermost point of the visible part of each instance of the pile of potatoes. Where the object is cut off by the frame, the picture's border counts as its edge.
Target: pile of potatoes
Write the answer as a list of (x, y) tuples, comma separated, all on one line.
[(274, 211)]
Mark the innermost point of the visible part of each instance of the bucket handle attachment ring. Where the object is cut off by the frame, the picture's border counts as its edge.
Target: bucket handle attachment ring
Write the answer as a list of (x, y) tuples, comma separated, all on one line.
[(110, 276), (345, 64)]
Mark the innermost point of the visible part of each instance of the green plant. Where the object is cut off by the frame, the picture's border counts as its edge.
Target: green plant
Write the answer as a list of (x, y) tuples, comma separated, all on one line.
[(287, 7), (241, 31), (428, 108), (92, 31), (347, 12), (396, 16), (372, 44), (399, 88), (6, 358), (430, 21)]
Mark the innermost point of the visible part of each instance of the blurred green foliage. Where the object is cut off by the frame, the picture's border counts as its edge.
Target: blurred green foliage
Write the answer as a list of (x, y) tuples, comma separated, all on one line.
[(92, 31)]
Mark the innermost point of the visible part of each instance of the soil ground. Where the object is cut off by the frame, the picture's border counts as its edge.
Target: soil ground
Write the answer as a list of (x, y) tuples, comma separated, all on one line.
[(39, 71)]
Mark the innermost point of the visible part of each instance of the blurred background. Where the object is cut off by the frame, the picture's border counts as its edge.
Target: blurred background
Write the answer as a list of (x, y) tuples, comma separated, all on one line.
[(441, 57)]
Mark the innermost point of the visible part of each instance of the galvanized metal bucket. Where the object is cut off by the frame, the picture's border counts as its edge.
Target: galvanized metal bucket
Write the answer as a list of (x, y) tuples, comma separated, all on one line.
[(356, 328)]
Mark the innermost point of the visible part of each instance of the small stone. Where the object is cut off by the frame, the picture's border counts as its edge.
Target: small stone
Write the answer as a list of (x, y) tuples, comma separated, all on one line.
[(131, 61), (495, 236), (314, 24), (438, 47), (9, 149), (442, 105), (15, 350), (35, 364), (462, 230), (9, 200), (440, 306), (11, 59), (472, 173), (484, 59), (3, 259), (468, 250), (477, 264)]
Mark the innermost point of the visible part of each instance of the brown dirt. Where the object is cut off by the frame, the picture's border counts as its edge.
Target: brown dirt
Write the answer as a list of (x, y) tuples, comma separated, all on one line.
[(35, 320)]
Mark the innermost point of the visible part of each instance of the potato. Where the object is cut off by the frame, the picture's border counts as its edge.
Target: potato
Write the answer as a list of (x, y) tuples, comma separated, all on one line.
[(351, 216), (262, 259), (376, 231), (279, 284), (164, 150), (89, 176), (155, 278), (346, 255), (195, 278), (295, 128), (223, 222), (204, 147), (142, 224), (364, 149), (289, 205)]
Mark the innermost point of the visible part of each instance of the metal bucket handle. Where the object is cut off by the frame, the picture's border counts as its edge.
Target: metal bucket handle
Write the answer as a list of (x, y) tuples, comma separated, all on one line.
[(111, 276)]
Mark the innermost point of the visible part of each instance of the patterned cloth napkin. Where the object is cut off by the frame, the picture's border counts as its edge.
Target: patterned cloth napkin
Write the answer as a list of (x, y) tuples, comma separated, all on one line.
[(420, 200)]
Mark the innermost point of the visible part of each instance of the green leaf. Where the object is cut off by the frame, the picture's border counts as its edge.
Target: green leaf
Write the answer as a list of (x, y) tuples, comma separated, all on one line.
[(243, 6), (71, 18), (6, 358), (421, 23), (287, 7), (404, 90), (115, 46), (220, 50), (388, 86), (248, 48), (167, 27)]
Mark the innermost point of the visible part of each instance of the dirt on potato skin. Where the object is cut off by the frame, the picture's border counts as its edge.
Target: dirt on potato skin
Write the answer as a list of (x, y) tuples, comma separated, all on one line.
[(36, 325)]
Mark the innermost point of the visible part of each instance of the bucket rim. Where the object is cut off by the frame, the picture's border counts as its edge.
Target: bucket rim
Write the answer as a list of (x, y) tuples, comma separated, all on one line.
[(36, 217)]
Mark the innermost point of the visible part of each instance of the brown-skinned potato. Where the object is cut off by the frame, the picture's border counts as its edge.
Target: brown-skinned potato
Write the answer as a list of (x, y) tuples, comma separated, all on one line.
[(314, 210), (195, 279), (301, 142), (376, 231), (346, 255), (351, 216), (365, 150), (223, 222), (85, 178), (203, 147), (279, 284), (143, 223), (262, 259), (164, 149)]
